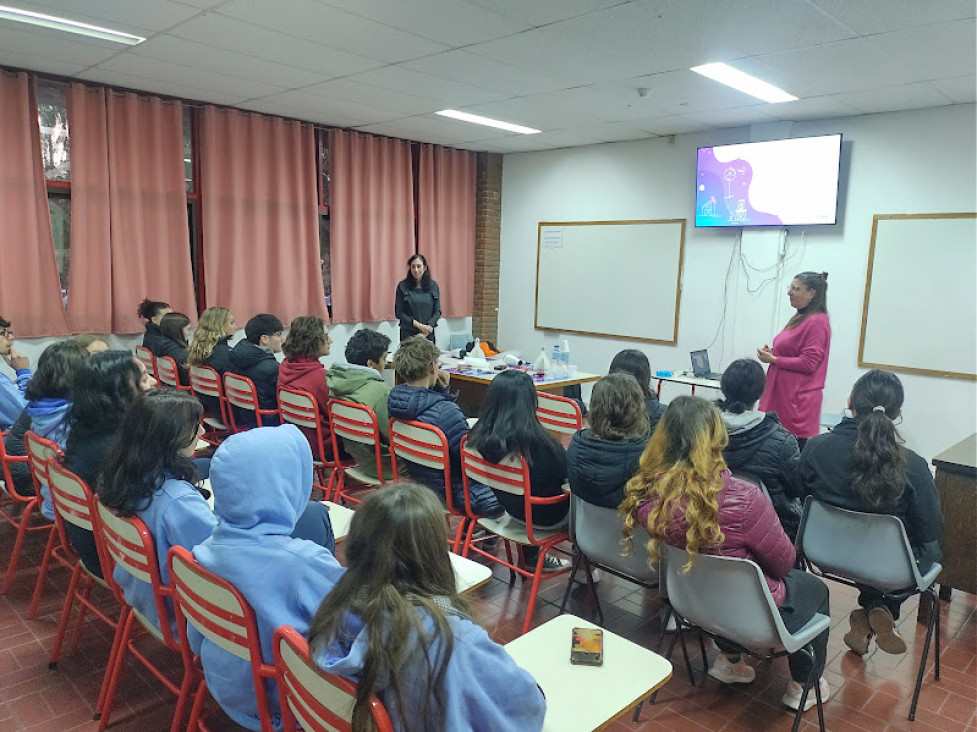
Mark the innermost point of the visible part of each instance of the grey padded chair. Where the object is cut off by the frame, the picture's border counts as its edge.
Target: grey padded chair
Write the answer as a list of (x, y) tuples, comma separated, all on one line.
[(728, 598), (459, 340), (596, 534), (869, 549)]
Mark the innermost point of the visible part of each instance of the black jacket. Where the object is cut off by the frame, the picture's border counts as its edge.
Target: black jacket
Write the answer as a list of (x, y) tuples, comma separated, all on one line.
[(168, 347), (84, 455), (769, 452), (422, 305), (261, 366), (825, 472), (220, 358), (152, 336), (655, 411), (598, 469)]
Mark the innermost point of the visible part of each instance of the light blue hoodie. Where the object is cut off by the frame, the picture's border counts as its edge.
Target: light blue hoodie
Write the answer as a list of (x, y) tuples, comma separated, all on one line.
[(261, 481), (47, 420), (12, 401), (484, 689)]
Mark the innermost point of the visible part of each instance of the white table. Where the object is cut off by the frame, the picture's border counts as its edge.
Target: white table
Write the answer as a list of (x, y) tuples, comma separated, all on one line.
[(586, 698), (469, 575), (692, 381)]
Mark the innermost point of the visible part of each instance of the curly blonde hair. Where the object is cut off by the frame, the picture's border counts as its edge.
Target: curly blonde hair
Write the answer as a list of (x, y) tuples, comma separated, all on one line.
[(681, 467), (210, 332)]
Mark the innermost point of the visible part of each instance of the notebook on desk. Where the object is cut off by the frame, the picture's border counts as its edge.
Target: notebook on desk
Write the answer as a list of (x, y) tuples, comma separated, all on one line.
[(700, 366)]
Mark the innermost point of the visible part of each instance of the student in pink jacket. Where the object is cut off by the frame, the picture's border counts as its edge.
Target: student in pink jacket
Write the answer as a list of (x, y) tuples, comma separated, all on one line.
[(799, 359)]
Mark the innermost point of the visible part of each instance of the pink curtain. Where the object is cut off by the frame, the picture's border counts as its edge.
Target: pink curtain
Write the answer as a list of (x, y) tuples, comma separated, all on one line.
[(30, 291), (90, 277), (260, 215), (147, 199), (446, 224), (371, 223)]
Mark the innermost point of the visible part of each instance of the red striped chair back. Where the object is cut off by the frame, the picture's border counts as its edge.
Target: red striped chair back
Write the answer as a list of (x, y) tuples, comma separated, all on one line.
[(240, 392), (148, 359), (558, 414), (168, 374)]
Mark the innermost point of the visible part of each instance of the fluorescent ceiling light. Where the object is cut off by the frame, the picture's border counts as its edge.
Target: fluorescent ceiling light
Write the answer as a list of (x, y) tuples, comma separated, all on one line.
[(741, 81), (487, 121), (68, 26)]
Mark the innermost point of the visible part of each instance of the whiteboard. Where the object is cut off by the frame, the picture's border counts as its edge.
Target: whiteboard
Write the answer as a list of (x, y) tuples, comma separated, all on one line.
[(920, 308), (610, 278)]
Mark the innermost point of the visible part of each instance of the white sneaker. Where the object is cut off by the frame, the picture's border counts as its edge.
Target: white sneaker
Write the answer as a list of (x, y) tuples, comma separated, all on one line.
[(792, 698), (595, 574), (726, 672), (554, 564)]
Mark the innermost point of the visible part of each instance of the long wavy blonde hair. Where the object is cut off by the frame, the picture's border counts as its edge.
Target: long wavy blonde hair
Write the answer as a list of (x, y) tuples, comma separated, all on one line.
[(681, 467), (210, 332)]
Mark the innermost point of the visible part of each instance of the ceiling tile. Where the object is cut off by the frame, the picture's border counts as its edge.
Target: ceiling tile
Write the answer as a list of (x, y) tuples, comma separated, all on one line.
[(333, 27), (812, 108), (733, 117), (450, 93), (888, 99), (544, 12), (549, 111), (867, 18), (455, 24), (124, 80), (330, 110), (486, 73), (44, 64), (673, 92), (121, 15), (221, 31), (430, 129), (344, 89), (17, 40), (674, 124), (961, 90), (938, 51)]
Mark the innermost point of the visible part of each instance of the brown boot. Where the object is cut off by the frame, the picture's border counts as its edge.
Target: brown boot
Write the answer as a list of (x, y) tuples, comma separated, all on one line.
[(886, 635), (860, 634)]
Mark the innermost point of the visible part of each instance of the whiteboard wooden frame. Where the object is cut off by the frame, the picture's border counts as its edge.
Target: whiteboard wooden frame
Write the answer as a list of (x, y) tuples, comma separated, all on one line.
[(678, 281), (868, 292)]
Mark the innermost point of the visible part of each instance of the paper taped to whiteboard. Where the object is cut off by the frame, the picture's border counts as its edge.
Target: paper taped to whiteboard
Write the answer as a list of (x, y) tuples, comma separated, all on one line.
[(551, 237)]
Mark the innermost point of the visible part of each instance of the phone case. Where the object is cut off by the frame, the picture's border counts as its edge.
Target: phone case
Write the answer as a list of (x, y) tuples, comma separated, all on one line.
[(587, 647)]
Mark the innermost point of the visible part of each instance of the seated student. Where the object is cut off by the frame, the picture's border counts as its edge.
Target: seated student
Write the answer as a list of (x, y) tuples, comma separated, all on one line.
[(104, 387), (12, 401), (261, 481), (48, 399), (757, 442), (508, 426), (209, 348), (254, 357), (307, 342), (175, 331), (602, 458), (861, 465), (152, 311), (423, 396), (360, 380), (92, 344), (439, 670), (686, 497), (634, 362)]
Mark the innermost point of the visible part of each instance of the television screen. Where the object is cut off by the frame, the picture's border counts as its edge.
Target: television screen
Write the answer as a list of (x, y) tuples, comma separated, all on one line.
[(776, 183)]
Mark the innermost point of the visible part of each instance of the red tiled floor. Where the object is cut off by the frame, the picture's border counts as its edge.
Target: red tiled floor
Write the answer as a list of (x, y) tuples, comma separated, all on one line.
[(866, 694)]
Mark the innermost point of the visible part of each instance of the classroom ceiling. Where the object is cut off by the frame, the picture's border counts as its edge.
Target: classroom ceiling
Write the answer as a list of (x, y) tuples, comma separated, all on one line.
[(571, 68)]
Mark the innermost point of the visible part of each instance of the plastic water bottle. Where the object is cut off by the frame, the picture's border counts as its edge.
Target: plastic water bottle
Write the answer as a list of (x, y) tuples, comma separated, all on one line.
[(559, 366), (565, 353)]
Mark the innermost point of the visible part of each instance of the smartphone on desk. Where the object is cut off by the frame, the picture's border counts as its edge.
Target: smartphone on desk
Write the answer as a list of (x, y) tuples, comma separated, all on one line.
[(587, 647)]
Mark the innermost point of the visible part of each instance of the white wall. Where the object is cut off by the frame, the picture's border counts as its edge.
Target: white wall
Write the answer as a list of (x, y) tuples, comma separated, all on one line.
[(907, 162)]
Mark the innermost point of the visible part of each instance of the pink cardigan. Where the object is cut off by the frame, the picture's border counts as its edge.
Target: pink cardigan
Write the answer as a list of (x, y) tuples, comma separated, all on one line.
[(795, 384)]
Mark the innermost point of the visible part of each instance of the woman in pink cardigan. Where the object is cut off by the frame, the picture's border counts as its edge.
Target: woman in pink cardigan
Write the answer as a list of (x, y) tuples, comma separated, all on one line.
[(799, 359)]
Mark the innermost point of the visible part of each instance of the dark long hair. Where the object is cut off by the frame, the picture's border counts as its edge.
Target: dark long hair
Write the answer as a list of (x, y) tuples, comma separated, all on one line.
[(742, 385), (172, 325), (817, 281), (146, 450), (149, 309), (508, 424), (409, 280), (634, 362), (55, 372), (879, 460), (104, 387), (397, 565)]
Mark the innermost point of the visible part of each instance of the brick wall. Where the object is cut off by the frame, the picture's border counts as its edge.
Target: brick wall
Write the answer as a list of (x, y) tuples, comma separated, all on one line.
[(488, 218)]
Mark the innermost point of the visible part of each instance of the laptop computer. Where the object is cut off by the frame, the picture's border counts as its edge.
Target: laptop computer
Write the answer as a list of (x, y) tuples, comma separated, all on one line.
[(700, 366)]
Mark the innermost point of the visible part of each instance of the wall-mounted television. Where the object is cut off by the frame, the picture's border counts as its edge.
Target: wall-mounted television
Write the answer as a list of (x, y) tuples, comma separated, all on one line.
[(775, 183)]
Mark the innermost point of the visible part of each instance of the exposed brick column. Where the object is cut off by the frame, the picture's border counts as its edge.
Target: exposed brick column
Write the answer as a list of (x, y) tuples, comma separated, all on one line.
[(488, 232)]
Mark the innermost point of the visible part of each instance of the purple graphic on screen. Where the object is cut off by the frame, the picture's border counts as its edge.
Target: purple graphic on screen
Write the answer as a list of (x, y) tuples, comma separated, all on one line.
[(722, 196)]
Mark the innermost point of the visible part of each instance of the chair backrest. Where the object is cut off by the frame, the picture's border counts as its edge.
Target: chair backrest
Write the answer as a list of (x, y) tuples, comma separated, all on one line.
[(240, 392), (167, 372), (73, 500), (596, 531), (868, 548), (727, 596), (558, 414), (423, 444), (459, 340), (205, 380), (127, 541), (148, 360), (301, 409), (510, 475), (7, 479), (39, 452), (352, 421), (219, 612), (313, 698)]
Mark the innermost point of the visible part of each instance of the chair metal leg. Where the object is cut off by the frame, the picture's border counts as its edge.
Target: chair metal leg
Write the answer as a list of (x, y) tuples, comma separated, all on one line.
[(69, 601), (120, 626), (685, 654), (82, 614), (661, 631), (812, 679), (702, 649), (8, 578), (113, 672), (931, 626), (573, 573), (42, 574)]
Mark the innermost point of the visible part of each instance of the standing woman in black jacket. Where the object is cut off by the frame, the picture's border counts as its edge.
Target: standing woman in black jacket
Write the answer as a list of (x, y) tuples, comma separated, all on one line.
[(417, 303), (152, 311), (862, 465)]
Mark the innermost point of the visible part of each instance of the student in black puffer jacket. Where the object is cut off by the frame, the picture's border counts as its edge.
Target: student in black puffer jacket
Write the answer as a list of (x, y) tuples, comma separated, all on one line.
[(758, 445), (602, 458)]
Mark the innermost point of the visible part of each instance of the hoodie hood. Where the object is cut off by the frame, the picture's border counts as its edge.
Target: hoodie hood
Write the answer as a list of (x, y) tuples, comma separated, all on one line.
[(742, 422), (246, 354), (410, 402), (261, 480), (47, 417), (295, 368), (345, 379)]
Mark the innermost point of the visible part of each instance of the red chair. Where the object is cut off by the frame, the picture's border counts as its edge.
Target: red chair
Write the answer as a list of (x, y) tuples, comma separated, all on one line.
[(357, 423), (40, 452), (74, 503), (221, 615), (425, 444), (558, 414), (315, 699), (168, 374), (128, 543), (148, 360), (301, 409), (511, 476), (21, 512), (240, 392), (206, 382)]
